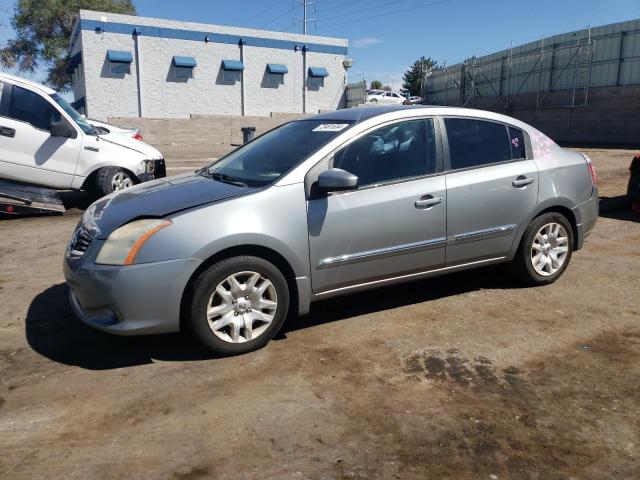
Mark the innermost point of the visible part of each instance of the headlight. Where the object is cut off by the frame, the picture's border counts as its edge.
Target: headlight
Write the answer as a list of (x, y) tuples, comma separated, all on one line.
[(147, 166), (123, 244)]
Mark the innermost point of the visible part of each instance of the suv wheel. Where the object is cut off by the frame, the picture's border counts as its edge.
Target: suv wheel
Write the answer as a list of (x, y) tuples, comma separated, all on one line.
[(112, 179), (237, 305), (545, 249)]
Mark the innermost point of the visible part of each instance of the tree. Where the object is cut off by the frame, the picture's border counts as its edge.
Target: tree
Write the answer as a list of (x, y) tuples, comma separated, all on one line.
[(414, 77), (43, 30), (386, 88), (376, 85)]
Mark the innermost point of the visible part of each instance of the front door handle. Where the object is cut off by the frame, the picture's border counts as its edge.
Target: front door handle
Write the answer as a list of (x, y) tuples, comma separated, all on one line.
[(522, 181), (7, 132), (428, 201)]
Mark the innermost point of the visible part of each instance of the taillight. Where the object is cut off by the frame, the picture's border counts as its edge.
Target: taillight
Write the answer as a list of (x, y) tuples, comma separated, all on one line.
[(137, 136), (592, 171)]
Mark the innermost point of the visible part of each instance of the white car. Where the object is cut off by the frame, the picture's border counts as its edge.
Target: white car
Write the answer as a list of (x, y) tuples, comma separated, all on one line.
[(107, 129), (44, 141), (386, 98)]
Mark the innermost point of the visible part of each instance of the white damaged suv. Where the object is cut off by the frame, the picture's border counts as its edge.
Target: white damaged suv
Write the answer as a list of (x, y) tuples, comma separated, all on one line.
[(44, 141)]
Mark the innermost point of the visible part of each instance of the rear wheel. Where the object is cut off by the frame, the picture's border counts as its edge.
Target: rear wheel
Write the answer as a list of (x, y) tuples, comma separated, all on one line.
[(545, 249), (112, 179), (237, 305)]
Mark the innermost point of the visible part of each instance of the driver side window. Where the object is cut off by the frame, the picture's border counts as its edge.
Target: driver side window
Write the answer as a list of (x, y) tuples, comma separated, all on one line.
[(397, 151), (30, 107)]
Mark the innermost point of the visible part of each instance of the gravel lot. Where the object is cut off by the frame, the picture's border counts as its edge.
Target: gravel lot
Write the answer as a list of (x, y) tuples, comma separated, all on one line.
[(464, 376)]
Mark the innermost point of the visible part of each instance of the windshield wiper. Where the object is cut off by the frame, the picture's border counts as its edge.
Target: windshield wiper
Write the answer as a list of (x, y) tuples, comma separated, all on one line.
[(223, 177)]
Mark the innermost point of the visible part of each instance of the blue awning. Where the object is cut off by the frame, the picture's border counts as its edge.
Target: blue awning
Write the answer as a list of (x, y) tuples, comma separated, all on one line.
[(277, 68), (318, 72), (232, 65), (189, 62), (119, 57)]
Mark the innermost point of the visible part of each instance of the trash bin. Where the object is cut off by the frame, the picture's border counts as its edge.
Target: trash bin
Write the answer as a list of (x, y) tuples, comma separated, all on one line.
[(248, 133)]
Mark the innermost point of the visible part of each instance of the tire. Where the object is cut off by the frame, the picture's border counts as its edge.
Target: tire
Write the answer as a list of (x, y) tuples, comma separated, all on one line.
[(374, 100), (220, 313), (543, 263), (111, 179)]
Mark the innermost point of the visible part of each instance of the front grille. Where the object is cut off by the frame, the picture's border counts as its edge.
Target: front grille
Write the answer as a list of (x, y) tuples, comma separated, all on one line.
[(79, 242)]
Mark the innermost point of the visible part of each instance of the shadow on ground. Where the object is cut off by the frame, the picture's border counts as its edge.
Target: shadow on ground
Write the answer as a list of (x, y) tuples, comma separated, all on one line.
[(53, 330), (618, 208), (72, 199)]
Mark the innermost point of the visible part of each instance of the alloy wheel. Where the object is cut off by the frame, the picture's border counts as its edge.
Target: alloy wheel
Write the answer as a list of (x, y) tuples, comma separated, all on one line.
[(242, 307), (549, 249), (120, 181)]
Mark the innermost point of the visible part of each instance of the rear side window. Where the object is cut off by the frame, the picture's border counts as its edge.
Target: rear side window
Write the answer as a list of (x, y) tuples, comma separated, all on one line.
[(473, 143), (516, 138), (30, 107)]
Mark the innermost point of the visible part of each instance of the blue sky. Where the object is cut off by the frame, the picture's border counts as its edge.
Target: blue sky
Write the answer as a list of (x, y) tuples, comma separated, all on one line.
[(386, 36)]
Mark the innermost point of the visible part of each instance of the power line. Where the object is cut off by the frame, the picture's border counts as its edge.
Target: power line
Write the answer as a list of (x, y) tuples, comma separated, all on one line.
[(383, 14), (346, 4), (262, 12), (368, 9), (277, 18)]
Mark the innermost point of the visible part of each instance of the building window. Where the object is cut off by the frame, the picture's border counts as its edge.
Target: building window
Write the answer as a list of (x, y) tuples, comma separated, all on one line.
[(183, 67), (119, 62), (316, 77), (232, 70), (275, 74)]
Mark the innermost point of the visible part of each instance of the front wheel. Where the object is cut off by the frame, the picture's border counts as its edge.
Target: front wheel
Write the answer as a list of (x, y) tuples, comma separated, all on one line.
[(238, 304), (545, 250), (112, 179)]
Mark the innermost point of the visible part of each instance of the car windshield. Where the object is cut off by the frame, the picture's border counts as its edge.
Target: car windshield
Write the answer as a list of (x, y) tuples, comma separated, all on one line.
[(73, 113), (268, 157)]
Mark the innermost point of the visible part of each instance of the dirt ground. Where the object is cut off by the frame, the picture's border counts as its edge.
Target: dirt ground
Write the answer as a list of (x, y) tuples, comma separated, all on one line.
[(468, 376)]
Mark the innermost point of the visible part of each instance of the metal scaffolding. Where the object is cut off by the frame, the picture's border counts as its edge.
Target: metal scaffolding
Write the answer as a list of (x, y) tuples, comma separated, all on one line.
[(551, 73)]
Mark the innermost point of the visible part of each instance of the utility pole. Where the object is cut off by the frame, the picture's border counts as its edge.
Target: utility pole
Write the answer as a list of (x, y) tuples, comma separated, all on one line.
[(305, 18)]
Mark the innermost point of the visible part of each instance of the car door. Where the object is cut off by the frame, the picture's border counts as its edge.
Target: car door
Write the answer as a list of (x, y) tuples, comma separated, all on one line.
[(492, 186), (386, 97), (28, 151), (397, 98), (394, 223)]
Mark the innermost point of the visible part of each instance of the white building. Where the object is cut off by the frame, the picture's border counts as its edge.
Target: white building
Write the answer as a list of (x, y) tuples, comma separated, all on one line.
[(129, 66)]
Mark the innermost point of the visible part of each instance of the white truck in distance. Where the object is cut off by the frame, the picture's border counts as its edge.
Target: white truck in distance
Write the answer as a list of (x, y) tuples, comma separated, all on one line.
[(46, 142)]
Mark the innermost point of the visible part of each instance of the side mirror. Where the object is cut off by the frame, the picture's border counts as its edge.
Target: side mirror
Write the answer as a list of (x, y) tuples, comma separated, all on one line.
[(336, 179), (61, 128)]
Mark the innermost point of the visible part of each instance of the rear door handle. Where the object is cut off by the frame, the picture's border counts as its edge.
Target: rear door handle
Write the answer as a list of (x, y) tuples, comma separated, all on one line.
[(7, 132), (522, 181), (428, 201)]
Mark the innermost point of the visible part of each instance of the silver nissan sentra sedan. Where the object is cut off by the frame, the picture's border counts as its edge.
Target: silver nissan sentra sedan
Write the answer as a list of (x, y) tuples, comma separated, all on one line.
[(328, 205)]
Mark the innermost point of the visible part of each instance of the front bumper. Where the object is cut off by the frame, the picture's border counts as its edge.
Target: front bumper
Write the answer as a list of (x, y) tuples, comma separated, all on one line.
[(129, 300), (158, 170)]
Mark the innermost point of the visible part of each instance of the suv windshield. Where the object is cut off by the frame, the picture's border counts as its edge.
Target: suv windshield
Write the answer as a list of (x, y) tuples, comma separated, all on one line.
[(72, 112), (268, 157)]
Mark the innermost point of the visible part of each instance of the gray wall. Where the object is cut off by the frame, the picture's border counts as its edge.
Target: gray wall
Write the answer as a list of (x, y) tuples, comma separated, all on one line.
[(201, 136), (579, 87), (151, 89)]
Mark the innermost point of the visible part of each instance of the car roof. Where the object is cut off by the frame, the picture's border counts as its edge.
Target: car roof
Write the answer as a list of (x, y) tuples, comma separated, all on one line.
[(360, 114), (27, 83)]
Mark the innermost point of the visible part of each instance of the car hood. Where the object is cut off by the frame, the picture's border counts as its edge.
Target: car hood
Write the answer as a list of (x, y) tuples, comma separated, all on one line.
[(127, 141), (155, 199)]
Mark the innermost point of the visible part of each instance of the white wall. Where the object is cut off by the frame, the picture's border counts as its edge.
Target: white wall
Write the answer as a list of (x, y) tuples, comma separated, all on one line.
[(207, 93)]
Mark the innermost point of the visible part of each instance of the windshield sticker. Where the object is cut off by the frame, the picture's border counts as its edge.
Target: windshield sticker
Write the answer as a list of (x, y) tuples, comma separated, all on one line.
[(330, 127)]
